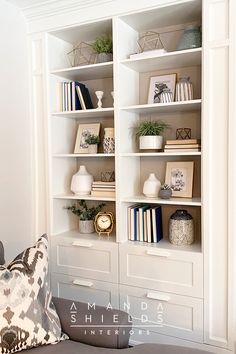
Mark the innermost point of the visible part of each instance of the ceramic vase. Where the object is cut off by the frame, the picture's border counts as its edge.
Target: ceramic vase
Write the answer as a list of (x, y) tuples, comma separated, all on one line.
[(109, 141), (191, 38), (165, 193), (81, 182), (152, 142), (99, 95), (152, 186), (93, 148), (181, 228), (104, 57), (184, 89), (86, 226)]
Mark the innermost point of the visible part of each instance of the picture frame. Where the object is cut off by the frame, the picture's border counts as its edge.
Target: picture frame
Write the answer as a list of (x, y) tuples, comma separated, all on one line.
[(83, 132), (162, 89), (179, 176)]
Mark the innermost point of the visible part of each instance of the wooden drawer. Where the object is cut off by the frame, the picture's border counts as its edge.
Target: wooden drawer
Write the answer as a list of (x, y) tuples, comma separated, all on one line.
[(85, 258), (180, 272), (164, 313), (85, 290)]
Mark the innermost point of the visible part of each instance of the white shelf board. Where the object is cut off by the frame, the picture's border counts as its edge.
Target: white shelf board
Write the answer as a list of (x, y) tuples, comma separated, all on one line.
[(86, 72), (74, 234), (87, 113), (184, 106), (84, 155), (170, 60), (171, 201), (165, 244), (85, 197), (159, 154)]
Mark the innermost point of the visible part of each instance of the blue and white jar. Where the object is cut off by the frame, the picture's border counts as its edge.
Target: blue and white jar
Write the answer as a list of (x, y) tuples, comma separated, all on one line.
[(109, 141)]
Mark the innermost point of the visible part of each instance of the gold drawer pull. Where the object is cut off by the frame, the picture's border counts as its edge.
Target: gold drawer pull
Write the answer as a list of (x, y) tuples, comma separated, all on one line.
[(156, 296), (87, 284), (157, 253), (82, 244)]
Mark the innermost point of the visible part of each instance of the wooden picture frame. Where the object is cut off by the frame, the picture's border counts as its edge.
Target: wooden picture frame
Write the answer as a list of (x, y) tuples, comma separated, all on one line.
[(158, 85), (84, 130), (179, 176)]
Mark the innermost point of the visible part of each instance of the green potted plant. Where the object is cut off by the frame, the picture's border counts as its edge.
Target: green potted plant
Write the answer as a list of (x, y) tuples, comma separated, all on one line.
[(149, 136), (92, 141), (86, 215), (165, 191), (103, 47)]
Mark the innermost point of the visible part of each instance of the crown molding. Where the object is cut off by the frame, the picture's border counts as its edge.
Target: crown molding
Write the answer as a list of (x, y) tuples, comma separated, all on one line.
[(57, 7)]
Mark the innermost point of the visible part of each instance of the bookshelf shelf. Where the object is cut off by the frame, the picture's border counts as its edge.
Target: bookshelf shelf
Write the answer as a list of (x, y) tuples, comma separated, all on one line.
[(159, 154), (88, 113), (196, 202), (85, 197), (99, 155), (185, 106), (165, 244), (74, 234), (171, 60), (86, 72)]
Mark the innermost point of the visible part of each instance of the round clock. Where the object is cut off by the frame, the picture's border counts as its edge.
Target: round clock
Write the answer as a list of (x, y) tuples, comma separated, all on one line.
[(104, 223)]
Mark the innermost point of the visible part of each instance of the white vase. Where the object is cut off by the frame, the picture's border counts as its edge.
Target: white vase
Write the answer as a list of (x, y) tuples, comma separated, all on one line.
[(86, 226), (150, 142), (152, 186), (81, 182)]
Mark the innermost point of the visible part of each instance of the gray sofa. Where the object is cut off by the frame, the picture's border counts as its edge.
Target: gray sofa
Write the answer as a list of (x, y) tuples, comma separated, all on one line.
[(81, 342)]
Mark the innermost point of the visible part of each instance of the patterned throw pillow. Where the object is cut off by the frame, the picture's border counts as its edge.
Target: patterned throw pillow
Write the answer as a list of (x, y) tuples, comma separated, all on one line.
[(27, 315)]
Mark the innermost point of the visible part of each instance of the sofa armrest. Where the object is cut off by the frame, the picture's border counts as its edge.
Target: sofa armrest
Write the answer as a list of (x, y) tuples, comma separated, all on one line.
[(93, 325)]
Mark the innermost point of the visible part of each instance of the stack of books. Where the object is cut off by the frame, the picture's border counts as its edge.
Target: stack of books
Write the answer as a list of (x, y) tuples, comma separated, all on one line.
[(103, 189), (144, 223), (73, 96), (183, 145)]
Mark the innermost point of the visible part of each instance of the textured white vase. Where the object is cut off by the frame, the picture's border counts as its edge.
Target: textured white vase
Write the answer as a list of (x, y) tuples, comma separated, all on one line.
[(150, 142), (86, 226), (152, 186), (81, 182)]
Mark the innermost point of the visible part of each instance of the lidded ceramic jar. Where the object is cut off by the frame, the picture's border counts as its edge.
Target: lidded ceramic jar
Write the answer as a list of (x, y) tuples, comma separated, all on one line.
[(191, 38), (152, 186), (81, 182), (109, 141), (181, 228)]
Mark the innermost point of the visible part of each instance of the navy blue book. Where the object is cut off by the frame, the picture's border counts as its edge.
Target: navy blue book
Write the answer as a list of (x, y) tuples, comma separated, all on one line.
[(84, 95), (157, 233), (75, 99)]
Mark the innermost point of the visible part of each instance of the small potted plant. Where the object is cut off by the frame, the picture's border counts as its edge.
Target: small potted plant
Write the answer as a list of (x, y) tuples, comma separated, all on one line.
[(92, 141), (149, 136), (86, 215), (165, 192), (103, 47)]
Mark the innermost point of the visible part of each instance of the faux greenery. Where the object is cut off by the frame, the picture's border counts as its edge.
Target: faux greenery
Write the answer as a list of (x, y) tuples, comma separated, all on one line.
[(103, 44), (165, 187), (151, 128), (92, 139), (82, 210)]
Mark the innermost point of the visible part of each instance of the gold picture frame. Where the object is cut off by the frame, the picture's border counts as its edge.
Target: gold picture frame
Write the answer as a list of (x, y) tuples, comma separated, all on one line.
[(179, 176), (83, 132)]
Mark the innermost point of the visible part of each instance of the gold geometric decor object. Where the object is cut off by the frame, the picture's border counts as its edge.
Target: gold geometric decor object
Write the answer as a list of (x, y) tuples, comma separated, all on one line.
[(150, 41), (82, 54)]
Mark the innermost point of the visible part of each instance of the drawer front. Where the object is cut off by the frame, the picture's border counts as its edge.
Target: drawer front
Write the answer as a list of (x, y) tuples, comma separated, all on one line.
[(179, 272), (164, 313), (85, 290), (84, 258)]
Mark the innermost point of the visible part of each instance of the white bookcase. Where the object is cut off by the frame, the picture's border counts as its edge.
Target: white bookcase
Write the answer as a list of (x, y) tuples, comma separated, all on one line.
[(115, 270)]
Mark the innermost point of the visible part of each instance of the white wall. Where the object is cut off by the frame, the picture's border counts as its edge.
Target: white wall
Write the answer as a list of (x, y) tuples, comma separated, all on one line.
[(15, 144)]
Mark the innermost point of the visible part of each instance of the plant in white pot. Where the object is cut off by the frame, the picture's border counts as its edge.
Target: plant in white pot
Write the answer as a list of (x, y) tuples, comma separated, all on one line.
[(92, 141), (86, 215), (104, 48), (149, 136)]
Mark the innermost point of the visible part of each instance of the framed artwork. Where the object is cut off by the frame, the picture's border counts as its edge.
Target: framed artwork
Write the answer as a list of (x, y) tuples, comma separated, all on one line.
[(179, 176), (83, 132), (162, 89)]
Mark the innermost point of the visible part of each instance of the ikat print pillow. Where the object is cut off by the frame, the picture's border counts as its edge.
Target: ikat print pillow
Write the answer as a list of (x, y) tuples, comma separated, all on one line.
[(27, 315)]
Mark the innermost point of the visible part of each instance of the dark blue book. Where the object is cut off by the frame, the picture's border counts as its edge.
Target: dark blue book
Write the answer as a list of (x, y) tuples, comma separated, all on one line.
[(75, 99), (157, 233), (84, 96)]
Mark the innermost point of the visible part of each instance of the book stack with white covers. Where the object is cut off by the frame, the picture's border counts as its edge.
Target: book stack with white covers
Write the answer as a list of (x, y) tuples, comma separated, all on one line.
[(183, 145), (103, 189)]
